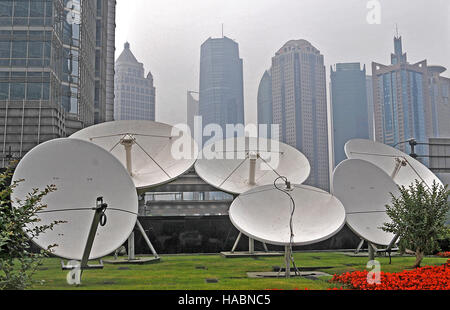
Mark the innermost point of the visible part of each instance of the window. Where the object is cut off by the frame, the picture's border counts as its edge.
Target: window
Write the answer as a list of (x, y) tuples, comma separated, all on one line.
[(34, 91), (17, 91)]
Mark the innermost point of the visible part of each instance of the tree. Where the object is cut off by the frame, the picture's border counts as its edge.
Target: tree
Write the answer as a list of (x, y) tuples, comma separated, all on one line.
[(418, 217), (18, 225)]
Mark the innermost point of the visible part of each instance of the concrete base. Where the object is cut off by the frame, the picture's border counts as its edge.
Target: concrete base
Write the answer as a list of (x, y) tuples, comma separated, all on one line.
[(365, 254), (138, 261), (309, 275), (247, 254)]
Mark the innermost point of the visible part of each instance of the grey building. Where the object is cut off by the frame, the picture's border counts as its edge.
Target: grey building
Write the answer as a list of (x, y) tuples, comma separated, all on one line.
[(134, 93), (348, 106), (300, 105), (47, 71), (221, 83), (370, 108), (104, 61), (402, 105), (265, 105), (192, 110), (439, 87)]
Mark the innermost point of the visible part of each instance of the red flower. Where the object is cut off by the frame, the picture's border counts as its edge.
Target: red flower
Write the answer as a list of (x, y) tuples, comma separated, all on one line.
[(426, 278)]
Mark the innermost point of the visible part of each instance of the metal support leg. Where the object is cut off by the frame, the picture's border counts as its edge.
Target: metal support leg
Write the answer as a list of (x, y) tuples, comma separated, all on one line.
[(265, 248), (360, 245), (131, 252), (287, 257), (251, 246), (236, 243), (147, 240), (371, 252)]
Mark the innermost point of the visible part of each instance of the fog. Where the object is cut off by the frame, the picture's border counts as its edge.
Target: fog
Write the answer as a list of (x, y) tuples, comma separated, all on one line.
[(166, 36)]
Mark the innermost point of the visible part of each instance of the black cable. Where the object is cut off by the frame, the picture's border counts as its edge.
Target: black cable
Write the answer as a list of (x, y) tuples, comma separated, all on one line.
[(291, 224)]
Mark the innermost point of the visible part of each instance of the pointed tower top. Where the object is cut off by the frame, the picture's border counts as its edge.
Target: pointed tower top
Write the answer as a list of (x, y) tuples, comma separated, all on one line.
[(127, 45)]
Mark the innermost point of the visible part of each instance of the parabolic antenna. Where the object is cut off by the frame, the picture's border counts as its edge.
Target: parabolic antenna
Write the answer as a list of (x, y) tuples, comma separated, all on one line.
[(364, 190), (403, 169), (145, 148), (243, 163), (264, 214), (82, 172)]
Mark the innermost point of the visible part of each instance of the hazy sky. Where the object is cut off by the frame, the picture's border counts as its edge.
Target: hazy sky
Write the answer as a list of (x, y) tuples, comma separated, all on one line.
[(166, 36)]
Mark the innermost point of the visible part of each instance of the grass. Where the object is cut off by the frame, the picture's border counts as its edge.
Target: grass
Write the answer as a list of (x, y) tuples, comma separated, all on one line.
[(181, 273)]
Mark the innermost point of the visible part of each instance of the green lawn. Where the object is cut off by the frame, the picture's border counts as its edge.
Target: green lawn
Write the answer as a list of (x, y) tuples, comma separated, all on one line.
[(180, 273)]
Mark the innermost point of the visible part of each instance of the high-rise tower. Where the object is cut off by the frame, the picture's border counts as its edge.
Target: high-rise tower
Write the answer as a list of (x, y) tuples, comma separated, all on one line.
[(401, 101), (300, 105), (348, 106), (135, 93), (221, 83)]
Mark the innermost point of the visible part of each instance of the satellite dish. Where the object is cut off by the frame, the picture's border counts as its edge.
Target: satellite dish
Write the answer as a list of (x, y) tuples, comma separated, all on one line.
[(365, 190), (264, 214), (145, 148), (82, 172), (403, 169), (244, 163)]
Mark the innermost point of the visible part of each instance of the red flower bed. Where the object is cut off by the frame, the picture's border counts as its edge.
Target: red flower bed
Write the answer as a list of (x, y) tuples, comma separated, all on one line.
[(444, 254), (426, 278)]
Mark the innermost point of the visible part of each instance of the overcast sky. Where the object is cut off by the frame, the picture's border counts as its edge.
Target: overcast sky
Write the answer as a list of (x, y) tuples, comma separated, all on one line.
[(166, 36)]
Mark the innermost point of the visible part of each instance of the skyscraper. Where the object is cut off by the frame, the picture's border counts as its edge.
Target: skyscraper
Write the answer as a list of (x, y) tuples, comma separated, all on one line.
[(221, 83), (104, 61), (265, 106), (300, 105), (439, 96), (192, 110), (370, 108), (401, 101), (348, 106), (47, 70), (135, 93)]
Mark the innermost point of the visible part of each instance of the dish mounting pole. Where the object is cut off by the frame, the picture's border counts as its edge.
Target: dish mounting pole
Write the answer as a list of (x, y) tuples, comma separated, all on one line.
[(128, 143), (399, 163), (99, 219)]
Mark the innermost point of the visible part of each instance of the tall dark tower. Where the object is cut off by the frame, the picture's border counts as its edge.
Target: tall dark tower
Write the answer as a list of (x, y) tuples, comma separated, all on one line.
[(221, 83)]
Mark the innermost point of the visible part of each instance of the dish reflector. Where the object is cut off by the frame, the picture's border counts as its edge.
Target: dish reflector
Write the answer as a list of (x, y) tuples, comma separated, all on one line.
[(82, 172), (264, 214), (151, 161), (244, 163), (364, 190), (388, 158)]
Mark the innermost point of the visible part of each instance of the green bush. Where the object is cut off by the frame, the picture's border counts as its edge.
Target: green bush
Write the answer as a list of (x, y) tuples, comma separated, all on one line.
[(18, 225), (418, 216)]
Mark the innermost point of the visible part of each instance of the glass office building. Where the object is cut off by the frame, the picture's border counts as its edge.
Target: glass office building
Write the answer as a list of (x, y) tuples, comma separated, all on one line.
[(265, 106), (221, 83), (401, 101), (47, 71), (349, 106)]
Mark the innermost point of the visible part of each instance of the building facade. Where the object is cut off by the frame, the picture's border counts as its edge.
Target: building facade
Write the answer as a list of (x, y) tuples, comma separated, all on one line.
[(221, 83), (370, 107), (47, 71), (401, 101), (192, 110), (134, 93), (300, 105), (348, 107), (265, 105), (104, 61), (439, 96)]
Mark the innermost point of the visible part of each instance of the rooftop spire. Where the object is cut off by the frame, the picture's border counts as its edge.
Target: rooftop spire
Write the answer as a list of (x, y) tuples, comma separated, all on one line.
[(127, 45)]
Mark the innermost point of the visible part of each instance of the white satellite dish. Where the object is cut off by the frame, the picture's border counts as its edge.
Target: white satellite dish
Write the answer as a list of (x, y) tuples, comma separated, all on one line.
[(294, 215), (264, 214), (144, 148), (82, 172), (365, 189), (244, 163), (403, 169)]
